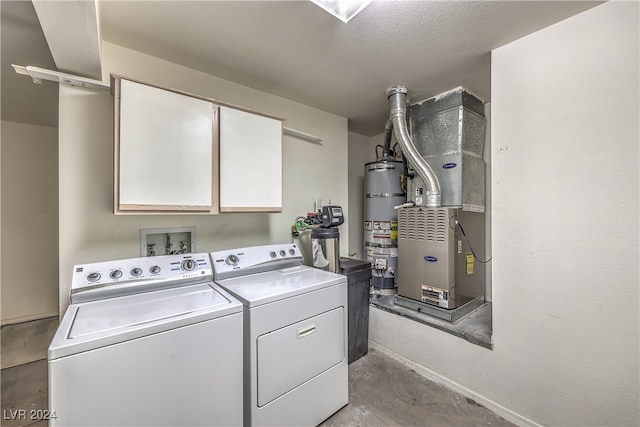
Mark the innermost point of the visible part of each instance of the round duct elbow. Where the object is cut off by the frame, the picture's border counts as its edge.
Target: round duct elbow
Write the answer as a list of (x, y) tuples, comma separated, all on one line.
[(397, 96)]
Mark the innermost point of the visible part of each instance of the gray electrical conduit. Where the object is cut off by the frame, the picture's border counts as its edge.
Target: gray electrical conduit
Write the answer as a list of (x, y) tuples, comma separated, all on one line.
[(387, 139), (398, 104)]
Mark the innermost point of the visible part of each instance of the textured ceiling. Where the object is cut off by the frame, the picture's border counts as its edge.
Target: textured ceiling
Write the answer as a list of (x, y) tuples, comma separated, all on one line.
[(296, 50)]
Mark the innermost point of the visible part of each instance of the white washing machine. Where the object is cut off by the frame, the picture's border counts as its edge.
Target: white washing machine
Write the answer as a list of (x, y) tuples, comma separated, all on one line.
[(295, 334), (147, 342)]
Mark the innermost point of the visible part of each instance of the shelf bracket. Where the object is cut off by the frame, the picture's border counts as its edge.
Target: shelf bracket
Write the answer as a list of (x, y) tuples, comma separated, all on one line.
[(38, 74)]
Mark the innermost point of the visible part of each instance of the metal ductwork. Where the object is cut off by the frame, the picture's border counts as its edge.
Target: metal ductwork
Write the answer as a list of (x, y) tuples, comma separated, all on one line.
[(397, 96)]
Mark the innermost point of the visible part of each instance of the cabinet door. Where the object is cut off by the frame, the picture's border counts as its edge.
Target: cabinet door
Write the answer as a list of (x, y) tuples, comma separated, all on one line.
[(165, 151), (250, 162)]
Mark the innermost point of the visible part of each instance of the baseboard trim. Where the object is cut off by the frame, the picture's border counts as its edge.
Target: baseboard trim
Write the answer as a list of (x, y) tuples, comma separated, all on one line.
[(495, 407), (23, 319)]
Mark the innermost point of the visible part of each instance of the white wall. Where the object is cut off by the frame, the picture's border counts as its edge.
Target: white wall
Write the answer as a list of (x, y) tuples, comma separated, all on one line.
[(565, 233), (29, 222), (88, 229)]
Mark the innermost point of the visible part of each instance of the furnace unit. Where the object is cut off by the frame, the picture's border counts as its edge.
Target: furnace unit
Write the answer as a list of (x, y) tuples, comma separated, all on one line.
[(441, 228), (436, 261)]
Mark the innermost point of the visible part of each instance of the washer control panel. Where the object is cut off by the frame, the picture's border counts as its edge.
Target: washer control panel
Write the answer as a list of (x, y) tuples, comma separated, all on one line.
[(129, 274), (253, 259)]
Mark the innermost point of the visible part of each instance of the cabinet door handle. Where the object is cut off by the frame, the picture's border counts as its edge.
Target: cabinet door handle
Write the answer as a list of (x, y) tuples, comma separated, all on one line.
[(306, 330)]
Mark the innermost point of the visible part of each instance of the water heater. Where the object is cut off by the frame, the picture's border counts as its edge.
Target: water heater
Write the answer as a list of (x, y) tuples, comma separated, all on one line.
[(382, 192)]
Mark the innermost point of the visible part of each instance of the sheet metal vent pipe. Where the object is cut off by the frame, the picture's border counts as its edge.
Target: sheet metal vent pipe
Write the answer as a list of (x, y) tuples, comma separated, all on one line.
[(398, 104)]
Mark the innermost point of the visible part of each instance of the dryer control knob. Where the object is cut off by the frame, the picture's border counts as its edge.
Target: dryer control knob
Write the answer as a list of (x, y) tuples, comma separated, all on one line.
[(116, 274), (154, 269), (136, 271), (282, 252), (232, 260), (93, 277)]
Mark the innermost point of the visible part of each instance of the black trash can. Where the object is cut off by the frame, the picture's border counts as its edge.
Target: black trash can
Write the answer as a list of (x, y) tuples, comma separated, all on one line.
[(358, 281)]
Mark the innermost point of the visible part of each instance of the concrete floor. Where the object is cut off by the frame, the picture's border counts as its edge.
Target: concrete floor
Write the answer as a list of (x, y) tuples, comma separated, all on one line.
[(24, 395), (382, 392)]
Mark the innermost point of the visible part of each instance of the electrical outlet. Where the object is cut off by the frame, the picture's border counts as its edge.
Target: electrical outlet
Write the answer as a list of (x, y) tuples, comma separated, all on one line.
[(167, 241)]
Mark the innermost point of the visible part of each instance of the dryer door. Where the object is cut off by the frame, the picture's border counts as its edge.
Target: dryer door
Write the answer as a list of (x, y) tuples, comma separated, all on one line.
[(292, 355)]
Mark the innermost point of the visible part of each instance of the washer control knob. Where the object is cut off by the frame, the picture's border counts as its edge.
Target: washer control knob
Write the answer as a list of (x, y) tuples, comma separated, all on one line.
[(232, 260), (189, 265), (93, 277), (116, 274), (292, 252), (136, 271), (154, 269), (282, 252), (272, 254)]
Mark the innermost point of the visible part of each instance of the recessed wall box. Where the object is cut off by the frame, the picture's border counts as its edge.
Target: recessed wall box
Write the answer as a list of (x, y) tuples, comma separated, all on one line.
[(167, 241)]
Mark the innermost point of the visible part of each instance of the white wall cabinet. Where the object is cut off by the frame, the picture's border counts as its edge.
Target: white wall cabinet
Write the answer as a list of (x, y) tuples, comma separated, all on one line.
[(250, 162), (179, 153), (166, 151)]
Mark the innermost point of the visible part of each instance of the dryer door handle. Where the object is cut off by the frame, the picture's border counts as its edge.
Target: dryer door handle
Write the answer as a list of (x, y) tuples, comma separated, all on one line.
[(306, 330)]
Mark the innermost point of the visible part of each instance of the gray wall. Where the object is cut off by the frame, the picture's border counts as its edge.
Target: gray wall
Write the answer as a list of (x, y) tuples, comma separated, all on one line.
[(358, 153), (29, 222)]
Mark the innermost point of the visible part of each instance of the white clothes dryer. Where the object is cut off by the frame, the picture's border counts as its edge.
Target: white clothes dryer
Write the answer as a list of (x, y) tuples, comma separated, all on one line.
[(295, 334), (147, 342)]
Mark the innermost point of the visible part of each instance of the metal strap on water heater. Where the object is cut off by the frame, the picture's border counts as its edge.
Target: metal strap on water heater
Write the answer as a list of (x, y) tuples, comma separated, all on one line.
[(382, 167), (373, 195)]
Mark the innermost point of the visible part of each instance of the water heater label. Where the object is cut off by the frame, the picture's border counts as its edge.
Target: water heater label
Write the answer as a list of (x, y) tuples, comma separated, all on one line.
[(382, 233), (375, 253), (368, 236)]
